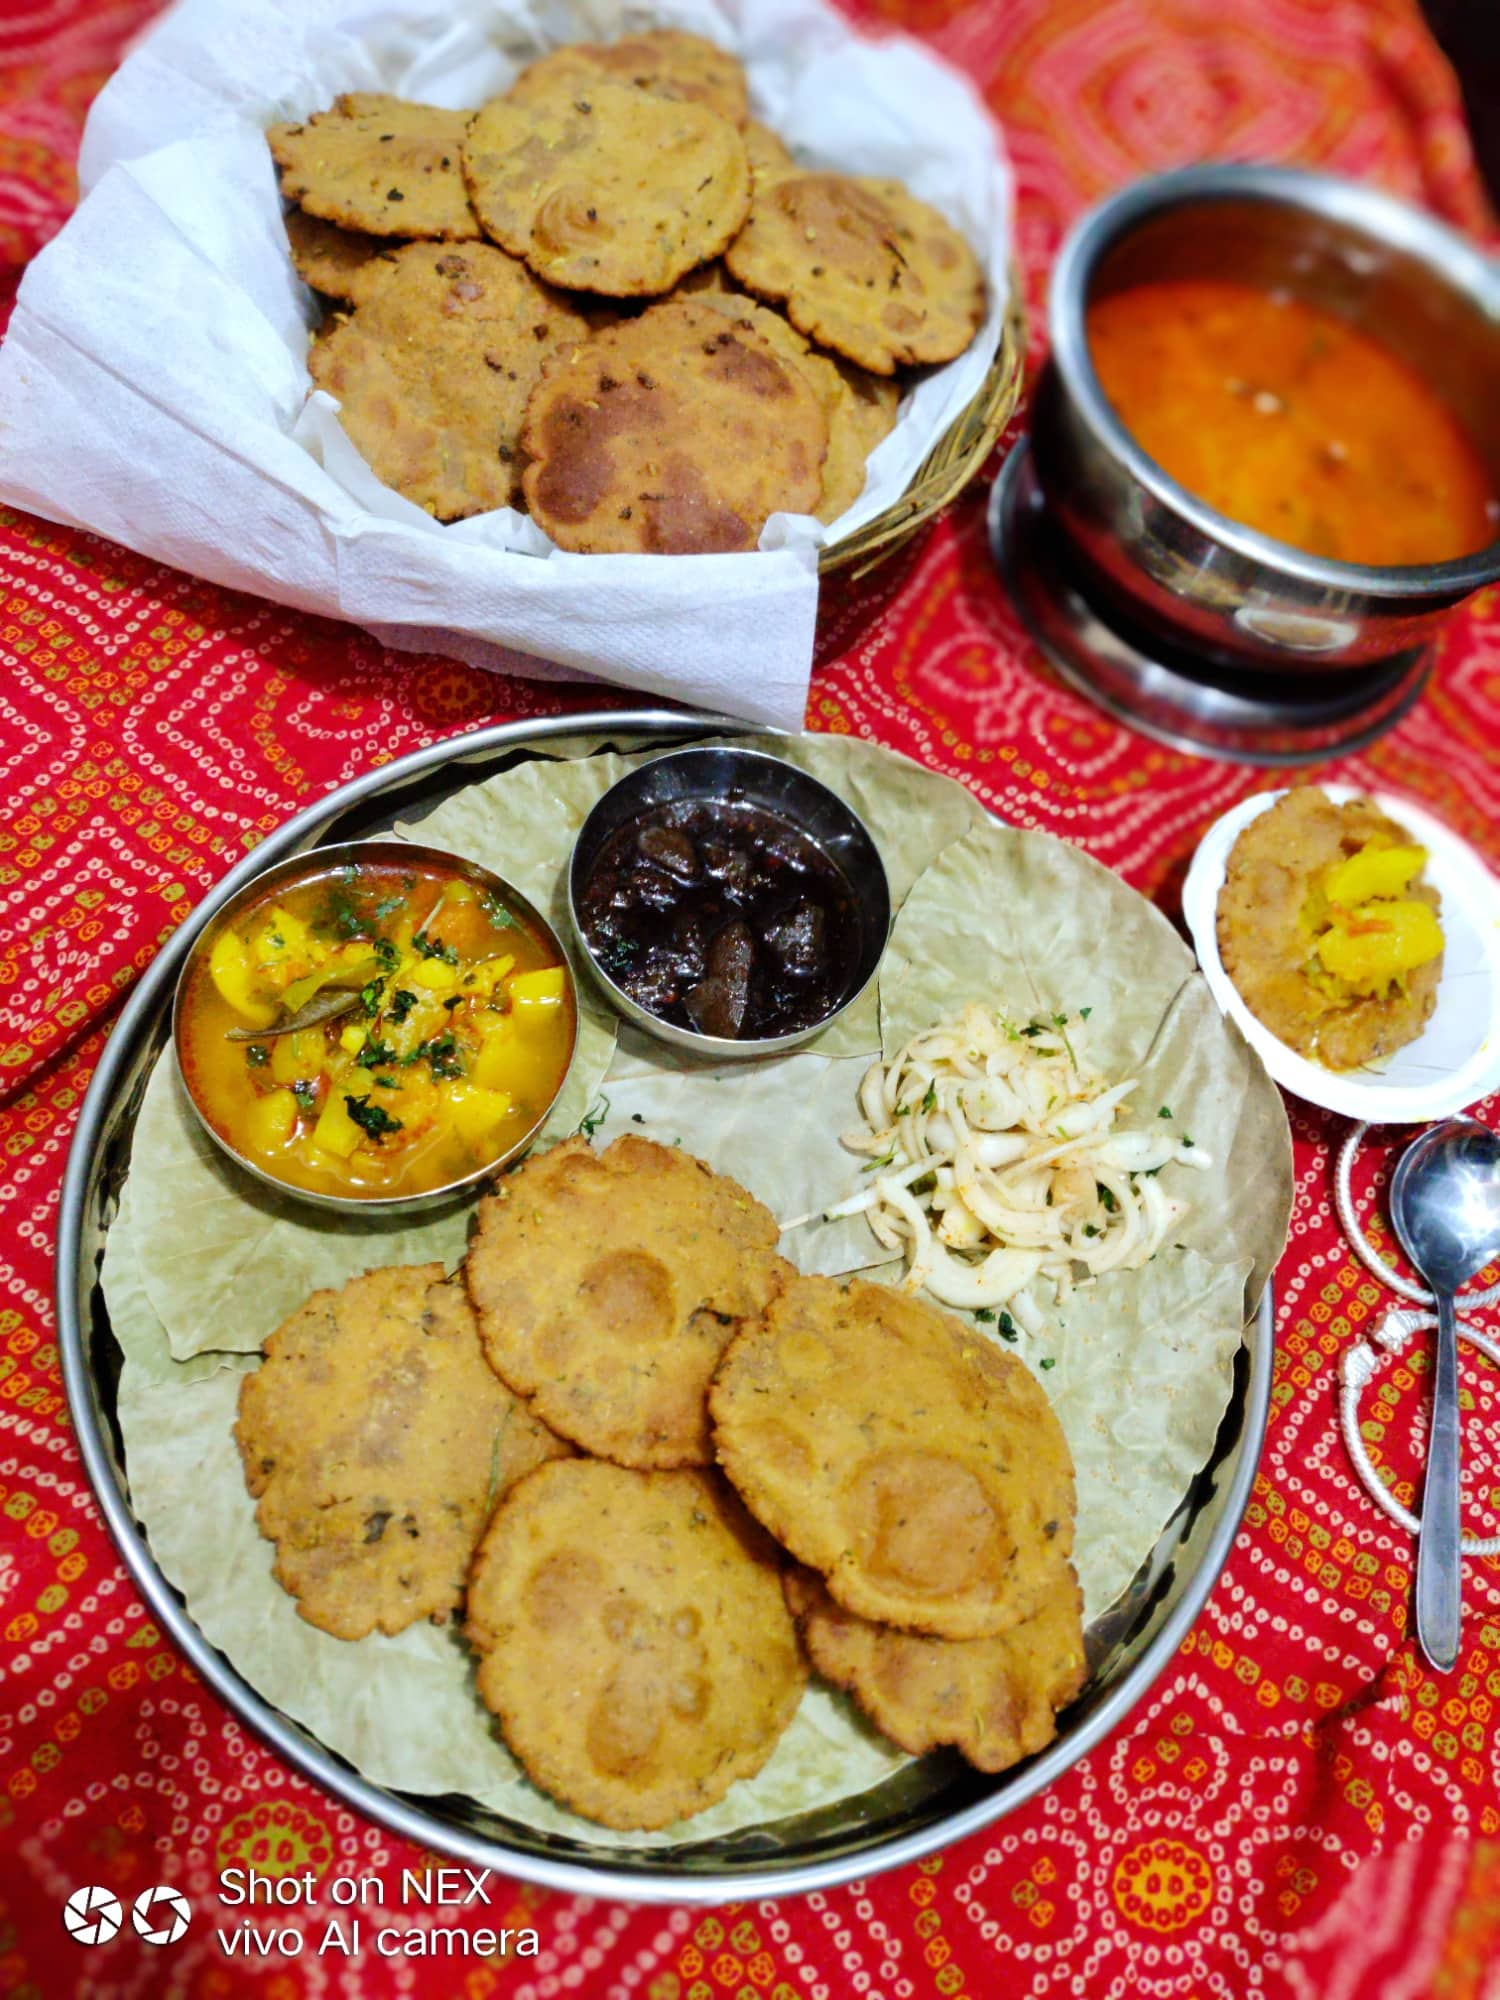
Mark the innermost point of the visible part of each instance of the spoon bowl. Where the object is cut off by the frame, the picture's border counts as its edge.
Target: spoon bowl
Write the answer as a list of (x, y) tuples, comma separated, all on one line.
[(1445, 1201)]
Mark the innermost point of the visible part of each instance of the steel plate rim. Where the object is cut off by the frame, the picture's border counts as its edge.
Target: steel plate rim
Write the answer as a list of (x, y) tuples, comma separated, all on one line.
[(296, 1746)]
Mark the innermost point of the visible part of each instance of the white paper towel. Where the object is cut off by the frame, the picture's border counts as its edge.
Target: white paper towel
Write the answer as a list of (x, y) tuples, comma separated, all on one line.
[(154, 388)]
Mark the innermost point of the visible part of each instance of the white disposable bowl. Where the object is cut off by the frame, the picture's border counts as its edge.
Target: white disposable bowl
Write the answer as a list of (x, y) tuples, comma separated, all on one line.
[(1455, 1060)]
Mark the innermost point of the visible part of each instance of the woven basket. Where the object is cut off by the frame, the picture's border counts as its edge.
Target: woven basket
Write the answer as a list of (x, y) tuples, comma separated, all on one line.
[(952, 462)]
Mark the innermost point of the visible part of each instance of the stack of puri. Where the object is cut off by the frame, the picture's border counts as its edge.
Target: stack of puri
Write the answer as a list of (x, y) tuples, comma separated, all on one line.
[(612, 299), (656, 1472)]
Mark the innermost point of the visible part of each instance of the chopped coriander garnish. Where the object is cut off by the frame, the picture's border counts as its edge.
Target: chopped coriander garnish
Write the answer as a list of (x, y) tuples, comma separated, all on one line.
[(441, 1051), (985, 1315), (370, 1117), (1165, 1112), (618, 955), (401, 1005), (387, 953), (594, 1117), (1006, 1327), (306, 1094), (431, 947), (257, 1055), (375, 1054), (1084, 1012), (929, 1101), (500, 918), (369, 997), (1105, 1196), (1047, 1361)]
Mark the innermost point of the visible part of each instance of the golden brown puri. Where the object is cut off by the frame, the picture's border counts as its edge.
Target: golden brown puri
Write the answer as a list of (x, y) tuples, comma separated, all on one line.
[(608, 1284), (617, 192), (675, 433), (378, 164), (434, 367), (635, 1645), (340, 263), (863, 267), (766, 152), (889, 1447), (376, 1441), (664, 63), (859, 408), (1274, 870), (994, 1700)]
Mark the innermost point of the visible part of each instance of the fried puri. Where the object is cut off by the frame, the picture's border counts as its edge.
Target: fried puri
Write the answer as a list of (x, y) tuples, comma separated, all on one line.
[(375, 1442), (863, 267), (919, 1469), (859, 408), (674, 433), (617, 192), (434, 367), (608, 1284), (766, 152), (664, 63), (994, 1700), (635, 1644), (340, 263), (378, 164)]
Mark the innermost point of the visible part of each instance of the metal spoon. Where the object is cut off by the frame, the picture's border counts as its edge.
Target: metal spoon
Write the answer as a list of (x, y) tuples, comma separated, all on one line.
[(1445, 1203)]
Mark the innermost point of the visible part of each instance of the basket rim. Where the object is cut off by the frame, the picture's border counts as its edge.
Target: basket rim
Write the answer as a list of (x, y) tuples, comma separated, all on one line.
[(953, 459)]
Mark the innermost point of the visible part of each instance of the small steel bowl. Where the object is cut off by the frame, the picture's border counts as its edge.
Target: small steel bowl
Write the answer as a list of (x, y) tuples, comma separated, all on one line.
[(1152, 556), (751, 777), (379, 853)]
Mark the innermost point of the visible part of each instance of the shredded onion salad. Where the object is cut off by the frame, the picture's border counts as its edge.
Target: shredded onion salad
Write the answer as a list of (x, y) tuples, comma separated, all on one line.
[(996, 1158)]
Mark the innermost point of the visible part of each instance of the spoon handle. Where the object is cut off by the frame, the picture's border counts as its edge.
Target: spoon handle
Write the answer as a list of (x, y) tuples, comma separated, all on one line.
[(1439, 1590)]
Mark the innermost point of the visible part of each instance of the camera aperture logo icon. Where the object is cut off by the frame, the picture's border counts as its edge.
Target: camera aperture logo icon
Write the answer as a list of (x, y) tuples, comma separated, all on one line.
[(92, 1916), (160, 1915)]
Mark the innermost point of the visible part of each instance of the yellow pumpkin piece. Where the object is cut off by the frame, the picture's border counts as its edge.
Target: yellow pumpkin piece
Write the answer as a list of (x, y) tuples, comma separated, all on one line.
[(488, 974), (298, 1058), (352, 1039), (335, 1131), (1373, 871), (285, 946), (477, 1114), (535, 995), (230, 969), (502, 1062), (436, 974), (1375, 945), (270, 1121)]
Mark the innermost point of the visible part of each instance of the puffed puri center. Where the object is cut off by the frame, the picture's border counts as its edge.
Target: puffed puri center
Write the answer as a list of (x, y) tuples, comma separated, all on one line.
[(922, 1522)]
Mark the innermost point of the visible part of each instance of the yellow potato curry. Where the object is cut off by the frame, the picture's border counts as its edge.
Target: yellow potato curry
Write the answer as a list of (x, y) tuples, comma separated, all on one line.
[(376, 1030), (1328, 929)]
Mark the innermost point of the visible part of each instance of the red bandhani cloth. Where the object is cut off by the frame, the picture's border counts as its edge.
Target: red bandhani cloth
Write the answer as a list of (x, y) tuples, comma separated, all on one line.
[(1298, 1808)]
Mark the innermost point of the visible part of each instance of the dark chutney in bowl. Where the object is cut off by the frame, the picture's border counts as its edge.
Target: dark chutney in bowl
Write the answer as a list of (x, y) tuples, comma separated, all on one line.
[(728, 901)]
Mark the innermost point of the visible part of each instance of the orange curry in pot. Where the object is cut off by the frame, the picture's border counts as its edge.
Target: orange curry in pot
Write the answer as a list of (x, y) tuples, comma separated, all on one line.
[(1284, 417)]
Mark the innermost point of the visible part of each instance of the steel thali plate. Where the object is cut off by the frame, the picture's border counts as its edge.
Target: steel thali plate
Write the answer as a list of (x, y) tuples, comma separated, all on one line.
[(924, 1806)]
